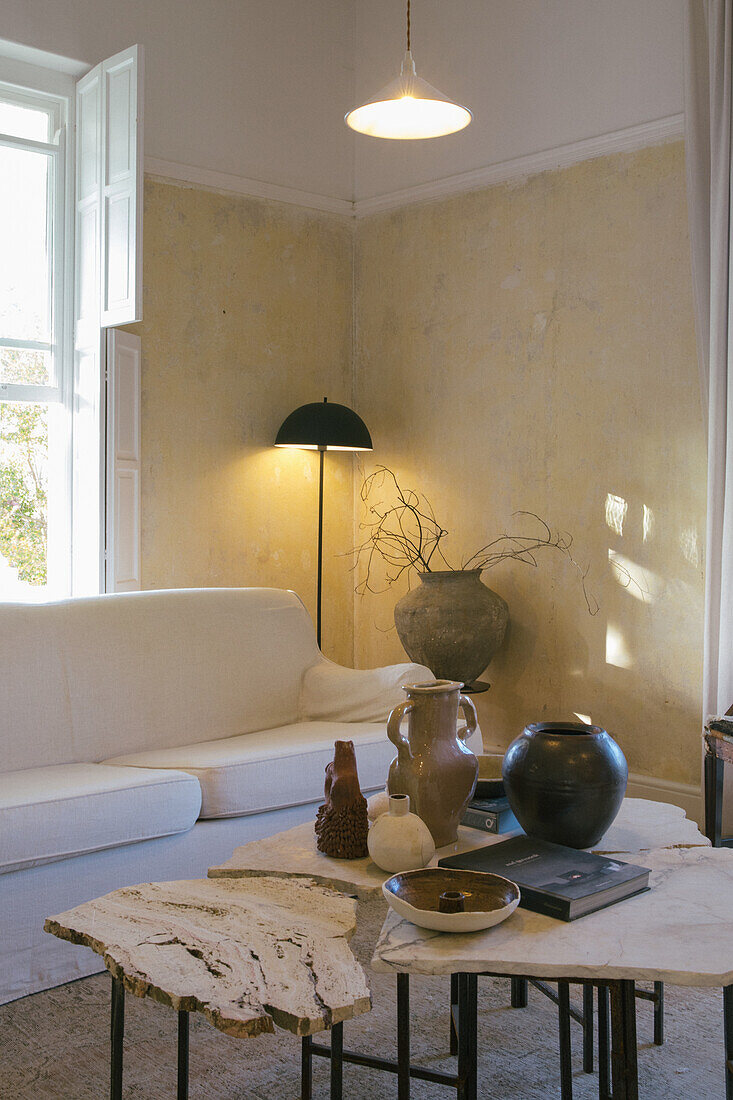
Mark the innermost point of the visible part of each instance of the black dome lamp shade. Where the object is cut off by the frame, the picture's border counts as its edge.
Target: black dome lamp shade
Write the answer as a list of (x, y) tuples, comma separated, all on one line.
[(323, 426)]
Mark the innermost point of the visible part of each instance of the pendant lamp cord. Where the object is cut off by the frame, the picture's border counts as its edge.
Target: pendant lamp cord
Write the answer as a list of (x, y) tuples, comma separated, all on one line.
[(408, 26)]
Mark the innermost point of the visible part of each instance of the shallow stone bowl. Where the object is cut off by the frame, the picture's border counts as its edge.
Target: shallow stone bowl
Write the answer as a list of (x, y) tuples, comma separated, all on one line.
[(414, 895)]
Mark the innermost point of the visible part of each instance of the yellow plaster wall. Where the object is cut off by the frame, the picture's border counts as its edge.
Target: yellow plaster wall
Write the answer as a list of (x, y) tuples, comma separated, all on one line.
[(247, 314), (531, 346)]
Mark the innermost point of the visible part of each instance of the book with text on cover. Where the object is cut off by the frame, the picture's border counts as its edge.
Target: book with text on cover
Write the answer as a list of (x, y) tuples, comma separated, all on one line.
[(557, 881)]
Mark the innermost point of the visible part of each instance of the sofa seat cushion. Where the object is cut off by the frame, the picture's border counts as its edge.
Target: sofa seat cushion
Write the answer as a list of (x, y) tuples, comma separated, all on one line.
[(53, 813), (272, 769)]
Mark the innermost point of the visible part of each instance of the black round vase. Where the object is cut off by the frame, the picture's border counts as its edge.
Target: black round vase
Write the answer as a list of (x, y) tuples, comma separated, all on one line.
[(565, 782)]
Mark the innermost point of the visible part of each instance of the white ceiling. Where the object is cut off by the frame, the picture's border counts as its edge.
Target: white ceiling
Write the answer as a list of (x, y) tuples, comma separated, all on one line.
[(258, 88), (536, 74)]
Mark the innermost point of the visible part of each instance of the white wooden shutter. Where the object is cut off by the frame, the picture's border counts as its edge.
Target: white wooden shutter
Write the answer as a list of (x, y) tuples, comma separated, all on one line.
[(123, 461), (88, 423), (108, 291), (121, 185)]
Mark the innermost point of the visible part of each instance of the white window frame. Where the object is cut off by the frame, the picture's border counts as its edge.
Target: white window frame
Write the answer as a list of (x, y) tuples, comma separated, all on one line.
[(37, 87), (97, 549)]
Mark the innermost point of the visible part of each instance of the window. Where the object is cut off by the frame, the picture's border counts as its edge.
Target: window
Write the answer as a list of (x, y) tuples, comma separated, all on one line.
[(70, 267), (35, 413)]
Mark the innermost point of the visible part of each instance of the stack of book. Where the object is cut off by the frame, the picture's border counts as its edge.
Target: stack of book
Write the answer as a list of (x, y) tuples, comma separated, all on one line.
[(491, 815)]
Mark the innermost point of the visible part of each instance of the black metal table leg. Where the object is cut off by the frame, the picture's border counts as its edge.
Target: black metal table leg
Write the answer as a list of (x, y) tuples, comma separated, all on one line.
[(182, 1056), (467, 1088), (403, 1036), (306, 1068), (659, 1014), (453, 1011), (337, 1062), (587, 1028), (116, 1035), (624, 1071), (519, 988), (604, 1045), (728, 1032), (566, 1068)]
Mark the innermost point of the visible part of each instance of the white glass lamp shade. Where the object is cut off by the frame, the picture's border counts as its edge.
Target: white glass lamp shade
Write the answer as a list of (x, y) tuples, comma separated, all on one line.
[(408, 109)]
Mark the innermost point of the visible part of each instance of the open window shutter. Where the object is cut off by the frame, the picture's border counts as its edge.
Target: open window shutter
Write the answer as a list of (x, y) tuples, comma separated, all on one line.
[(108, 289), (88, 497), (121, 184), (123, 461)]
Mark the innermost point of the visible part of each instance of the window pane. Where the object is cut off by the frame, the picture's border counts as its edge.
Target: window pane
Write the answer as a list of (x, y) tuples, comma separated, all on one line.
[(25, 270), (17, 120), (23, 498), (29, 368)]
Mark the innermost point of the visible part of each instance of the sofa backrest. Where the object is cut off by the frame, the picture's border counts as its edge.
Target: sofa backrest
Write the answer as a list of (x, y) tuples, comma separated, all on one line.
[(86, 679)]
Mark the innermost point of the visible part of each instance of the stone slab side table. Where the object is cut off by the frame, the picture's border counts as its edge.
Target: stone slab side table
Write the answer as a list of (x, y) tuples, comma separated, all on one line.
[(681, 931), (641, 826), (249, 954)]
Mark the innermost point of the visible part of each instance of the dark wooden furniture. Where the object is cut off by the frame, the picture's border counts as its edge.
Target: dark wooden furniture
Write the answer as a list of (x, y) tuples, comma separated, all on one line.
[(718, 741)]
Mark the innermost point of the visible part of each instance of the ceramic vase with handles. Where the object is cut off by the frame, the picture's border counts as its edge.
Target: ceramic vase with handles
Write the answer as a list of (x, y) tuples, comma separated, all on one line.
[(434, 766)]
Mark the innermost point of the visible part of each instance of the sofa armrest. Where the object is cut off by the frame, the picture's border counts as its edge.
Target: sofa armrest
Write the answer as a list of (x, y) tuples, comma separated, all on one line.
[(333, 693)]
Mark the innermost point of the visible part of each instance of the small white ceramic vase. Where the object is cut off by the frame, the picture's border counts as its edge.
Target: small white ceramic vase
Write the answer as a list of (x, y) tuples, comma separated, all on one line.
[(399, 840)]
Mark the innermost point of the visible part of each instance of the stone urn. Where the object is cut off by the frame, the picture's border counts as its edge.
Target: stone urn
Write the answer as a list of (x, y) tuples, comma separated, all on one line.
[(434, 766), (452, 623), (565, 782)]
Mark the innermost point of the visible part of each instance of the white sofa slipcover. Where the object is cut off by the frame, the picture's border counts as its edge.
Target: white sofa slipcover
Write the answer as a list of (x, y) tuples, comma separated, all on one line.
[(47, 814), (229, 683), (270, 770)]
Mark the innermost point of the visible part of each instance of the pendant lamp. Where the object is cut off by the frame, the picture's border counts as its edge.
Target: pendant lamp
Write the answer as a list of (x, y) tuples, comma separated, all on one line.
[(408, 108)]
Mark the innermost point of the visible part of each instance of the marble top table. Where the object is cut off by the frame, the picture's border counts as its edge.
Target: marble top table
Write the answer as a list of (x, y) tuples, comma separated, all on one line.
[(656, 834), (640, 826), (677, 932), (247, 954)]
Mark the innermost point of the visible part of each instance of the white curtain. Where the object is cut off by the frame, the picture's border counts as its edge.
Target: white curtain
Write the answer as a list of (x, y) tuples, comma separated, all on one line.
[(708, 113)]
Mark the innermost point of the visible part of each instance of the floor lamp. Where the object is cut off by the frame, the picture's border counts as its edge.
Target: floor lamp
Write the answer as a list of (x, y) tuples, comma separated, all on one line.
[(323, 426)]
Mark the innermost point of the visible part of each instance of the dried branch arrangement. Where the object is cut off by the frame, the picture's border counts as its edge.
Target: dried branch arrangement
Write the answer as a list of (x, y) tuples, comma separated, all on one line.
[(403, 531)]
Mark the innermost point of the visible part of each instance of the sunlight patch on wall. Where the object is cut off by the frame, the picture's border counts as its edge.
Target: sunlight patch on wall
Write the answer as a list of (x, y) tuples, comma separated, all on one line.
[(689, 546), (616, 651), (641, 583), (647, 530), (616, 509), (583, 718)]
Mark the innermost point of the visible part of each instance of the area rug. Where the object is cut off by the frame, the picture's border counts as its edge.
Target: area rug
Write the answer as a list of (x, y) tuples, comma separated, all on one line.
[(56, 1044)]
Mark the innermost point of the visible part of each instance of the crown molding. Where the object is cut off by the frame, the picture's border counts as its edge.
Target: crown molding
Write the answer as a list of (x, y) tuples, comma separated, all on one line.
[(170, 170), (627, 140)]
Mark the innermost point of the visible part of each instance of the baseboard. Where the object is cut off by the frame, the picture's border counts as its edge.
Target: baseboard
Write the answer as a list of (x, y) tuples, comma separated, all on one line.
[(686, 795)]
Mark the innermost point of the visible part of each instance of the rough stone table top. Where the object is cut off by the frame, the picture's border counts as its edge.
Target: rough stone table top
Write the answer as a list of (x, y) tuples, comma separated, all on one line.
[(681, 932), (640, 825), (247, 954)]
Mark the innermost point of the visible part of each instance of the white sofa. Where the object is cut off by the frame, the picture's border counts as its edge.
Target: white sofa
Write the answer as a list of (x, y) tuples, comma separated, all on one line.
[(143, 736)]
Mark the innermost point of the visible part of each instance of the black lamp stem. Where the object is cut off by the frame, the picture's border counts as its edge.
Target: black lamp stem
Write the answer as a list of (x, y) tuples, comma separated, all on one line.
[(321, 453)]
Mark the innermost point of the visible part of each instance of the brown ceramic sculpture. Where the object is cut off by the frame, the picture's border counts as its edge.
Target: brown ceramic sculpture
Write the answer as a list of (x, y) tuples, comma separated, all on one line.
[(434, 765), (342, 822)]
